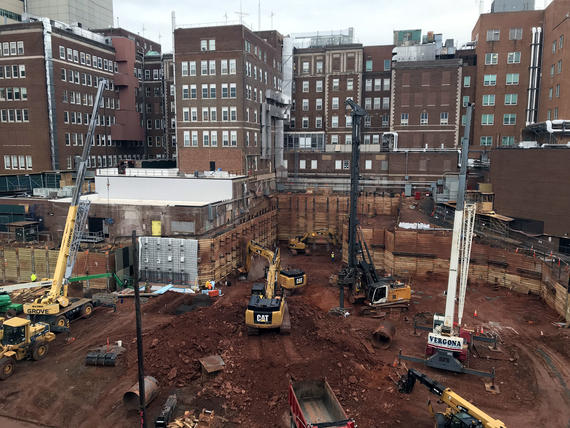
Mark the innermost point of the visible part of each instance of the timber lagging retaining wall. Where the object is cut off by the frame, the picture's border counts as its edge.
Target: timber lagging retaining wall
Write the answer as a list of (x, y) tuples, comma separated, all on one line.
[(413, 254)]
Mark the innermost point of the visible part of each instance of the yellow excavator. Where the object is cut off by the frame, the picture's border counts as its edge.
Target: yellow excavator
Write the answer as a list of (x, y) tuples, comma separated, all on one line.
[(55, 307), (289, 279), (460, 413), (300, 244), (266, 308)]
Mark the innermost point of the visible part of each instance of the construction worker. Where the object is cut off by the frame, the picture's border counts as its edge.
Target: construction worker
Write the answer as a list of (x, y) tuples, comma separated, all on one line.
[(332, 256), (33, 277)]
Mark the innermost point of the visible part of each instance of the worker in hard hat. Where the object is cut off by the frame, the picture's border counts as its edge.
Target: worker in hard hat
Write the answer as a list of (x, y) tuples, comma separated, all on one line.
[(332, 256), (33, 277)]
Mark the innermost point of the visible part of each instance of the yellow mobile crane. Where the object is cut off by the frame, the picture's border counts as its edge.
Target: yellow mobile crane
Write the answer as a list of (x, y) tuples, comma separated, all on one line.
[(267, 309), (460, 413), (55, 307), (300, 244), (289, 279)]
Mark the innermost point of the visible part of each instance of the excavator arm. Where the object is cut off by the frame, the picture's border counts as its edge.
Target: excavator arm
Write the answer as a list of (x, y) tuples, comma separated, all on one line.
[(460, 411)]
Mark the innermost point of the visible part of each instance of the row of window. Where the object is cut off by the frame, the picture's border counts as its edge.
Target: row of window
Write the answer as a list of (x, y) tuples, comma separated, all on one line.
[(14, 71), (210, 138), (318, 124), (494, 35), (78, 118), (549, 115), (156, 74), (103, 161), (14, 115), (208, 67), (424, 118), (491, 79), (249, 72), (13, 94), (335, 85), (211, 114), (84, 79), (79, 98), (190, 92), (77, 139), (506, 141), (17, 162), (85, 59), (489, 100), (158, 123), (560, 44), (557, 67), (369, 65), (508, 119), (339, 164), (379, 103), (377, 84), (156, 139), (12, 48), (493, 58), (149, 91)]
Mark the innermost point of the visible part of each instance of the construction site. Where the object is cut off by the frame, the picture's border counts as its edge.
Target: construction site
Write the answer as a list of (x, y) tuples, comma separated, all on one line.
[(221, 300)]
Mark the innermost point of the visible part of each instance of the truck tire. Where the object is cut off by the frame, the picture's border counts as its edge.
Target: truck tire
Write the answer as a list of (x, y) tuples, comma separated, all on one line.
[(11, 313), (61, 321), (87, 310), (7, 367), (39, 350)]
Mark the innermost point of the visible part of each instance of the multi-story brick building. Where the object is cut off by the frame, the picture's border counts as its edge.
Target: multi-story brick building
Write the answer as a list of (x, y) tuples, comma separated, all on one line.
[(426, 98), (222, 74), (48, 80), (505, 43), (169, 102), (554, 100)]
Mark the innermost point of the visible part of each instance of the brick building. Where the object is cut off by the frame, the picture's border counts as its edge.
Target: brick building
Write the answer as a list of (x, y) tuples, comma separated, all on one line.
[(45, 115), (222, 75), (169, 93), (426, 103), (11, 11), (504, 48)]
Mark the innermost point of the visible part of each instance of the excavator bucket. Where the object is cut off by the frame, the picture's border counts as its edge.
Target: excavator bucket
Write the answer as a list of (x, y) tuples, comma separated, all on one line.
[(286, 325)]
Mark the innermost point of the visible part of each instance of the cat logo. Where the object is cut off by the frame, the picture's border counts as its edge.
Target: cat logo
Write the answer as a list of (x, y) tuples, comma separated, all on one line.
[(299, 280), (262, 319)]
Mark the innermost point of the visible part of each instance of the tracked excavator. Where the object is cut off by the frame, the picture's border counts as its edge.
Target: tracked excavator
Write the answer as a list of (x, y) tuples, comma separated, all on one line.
[(267, 308), (300, 244), (288, 279), (460, 413)]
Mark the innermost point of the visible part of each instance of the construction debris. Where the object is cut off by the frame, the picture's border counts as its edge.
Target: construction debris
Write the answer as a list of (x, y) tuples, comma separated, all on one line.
[(206, 419)]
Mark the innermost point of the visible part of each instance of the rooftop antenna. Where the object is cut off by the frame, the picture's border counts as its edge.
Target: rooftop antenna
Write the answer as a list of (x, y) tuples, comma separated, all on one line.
[(226, 16), (118, 25), (258, 15), (272, 19), (241, 14)]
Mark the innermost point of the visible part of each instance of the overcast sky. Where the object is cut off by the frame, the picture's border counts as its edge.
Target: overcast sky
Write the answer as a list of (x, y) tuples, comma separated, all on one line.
[(373, 20)]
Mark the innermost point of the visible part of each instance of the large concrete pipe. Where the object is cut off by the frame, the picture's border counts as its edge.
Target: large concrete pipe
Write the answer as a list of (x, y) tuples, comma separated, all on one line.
[(383, 335), (131, 397)]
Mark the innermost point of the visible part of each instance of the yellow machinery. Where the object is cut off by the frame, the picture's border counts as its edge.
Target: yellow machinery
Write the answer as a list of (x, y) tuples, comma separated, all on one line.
[(460, 413), (267, 309), (289, 279), (21, 340), (54, 307), (300, 244)]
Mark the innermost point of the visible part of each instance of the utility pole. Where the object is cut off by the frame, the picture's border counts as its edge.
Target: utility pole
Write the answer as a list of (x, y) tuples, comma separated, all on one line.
[(139, 330)]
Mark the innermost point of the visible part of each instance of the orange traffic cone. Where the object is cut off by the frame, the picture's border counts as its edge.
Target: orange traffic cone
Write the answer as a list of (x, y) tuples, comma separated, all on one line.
[(475, 313)]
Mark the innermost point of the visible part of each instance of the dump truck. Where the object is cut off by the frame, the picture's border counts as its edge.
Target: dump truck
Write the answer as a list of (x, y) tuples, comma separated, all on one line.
[(313, 404)]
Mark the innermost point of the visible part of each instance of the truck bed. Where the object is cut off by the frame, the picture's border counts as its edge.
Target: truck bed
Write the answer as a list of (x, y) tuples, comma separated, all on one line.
[(314, 402)]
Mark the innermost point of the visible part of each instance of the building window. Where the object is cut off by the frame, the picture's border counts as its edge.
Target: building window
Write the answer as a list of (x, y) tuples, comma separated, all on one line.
[(368, 85), (386, 84), (509, 119), (490, 80), (559, 67), (185, 92), (404, 119), (233, 114), (334, 121), (511, 99), (212, 67), (205, 138), (465, 100), (305, 104), (512, 78), (232, 66), (318, 122), (192, 68), (552, 70), (314, 164), (337, 164), (377, 103), (493, 35), (515, 34), (387, 64), (349, 84), (319, 66), (184, 68), (186, 138), (487, 119), (233, 135), (424, 118), (203, 45), (367, 122), (305, 66), (213, 91), (305, 122), (212, 44), (385, 103), (205, 91), (348, 121), (193, 92), (467, 81), (334, 103), (369, 64), (346, 164), (491, 59), (319, 103), (555, 113), (335, 84), (557, 90), (443, 118), (204, 68), (486, 141), (385, 120), (319, 85), (508, 141), (513, 58), (367, 103), (305, 86), (489, 100)]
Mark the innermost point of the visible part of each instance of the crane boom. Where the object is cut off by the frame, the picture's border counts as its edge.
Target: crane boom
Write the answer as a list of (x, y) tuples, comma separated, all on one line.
[(50, 303)]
